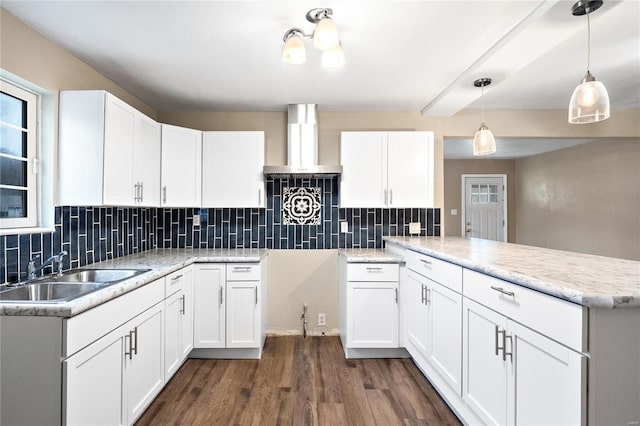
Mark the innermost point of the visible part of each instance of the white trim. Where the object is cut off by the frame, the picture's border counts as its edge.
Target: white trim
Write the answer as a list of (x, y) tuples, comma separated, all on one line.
[(463, 191)]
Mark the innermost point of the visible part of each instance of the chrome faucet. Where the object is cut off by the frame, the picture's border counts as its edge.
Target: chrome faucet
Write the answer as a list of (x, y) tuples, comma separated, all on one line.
[(32, 269)]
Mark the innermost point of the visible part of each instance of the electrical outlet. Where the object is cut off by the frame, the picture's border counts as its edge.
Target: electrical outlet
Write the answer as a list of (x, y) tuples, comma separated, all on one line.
[(344, 227), (196, 220), (322, 319), (414, 228)]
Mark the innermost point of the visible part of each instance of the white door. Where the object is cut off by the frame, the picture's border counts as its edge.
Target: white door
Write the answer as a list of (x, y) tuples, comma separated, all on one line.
[(172, 334), (544, 373), (236, 157), (410, 169), (363, 156), (146, 157), (118, 152), (243, 314), (144, 368), (416, 313), (372, 315), (484, 206), (92, 379), (181, 168), (445, 333), (209, 306), (484, 374)]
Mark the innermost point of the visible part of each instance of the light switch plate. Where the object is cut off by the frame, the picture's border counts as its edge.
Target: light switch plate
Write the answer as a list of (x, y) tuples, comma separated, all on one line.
[(454, 212), (344, 226), (196, 220), (414, 228)]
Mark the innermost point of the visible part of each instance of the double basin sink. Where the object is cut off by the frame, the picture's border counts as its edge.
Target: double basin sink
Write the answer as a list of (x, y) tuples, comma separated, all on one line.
[(71, 285)]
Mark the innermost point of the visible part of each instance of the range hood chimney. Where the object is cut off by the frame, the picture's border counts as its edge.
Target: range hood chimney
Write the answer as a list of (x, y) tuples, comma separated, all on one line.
[(302, 146)]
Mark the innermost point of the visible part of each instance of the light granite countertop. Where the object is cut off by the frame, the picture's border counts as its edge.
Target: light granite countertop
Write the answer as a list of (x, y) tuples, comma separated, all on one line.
[(161, 262), (589, 280), (369, 256)]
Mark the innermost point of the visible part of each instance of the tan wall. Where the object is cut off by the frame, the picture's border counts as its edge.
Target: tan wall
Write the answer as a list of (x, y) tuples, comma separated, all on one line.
[(584, 199), (453, 171)]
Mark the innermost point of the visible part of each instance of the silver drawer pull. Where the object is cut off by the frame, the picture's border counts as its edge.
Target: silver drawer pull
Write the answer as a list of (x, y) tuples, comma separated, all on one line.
[(426, 262), (503, 291), (176, 278), (373, 269), (242, 268)]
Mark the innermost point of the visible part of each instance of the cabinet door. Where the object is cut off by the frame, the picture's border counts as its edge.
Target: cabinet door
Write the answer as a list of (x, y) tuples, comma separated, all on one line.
[(372, 314), (146, 161), (181, 169), (209, 306), (363, 156), (416, 314), (186, 335), (173, 334), (93, 383), (118, 152), (236, 158), (144, 368), (243, 314), (445, 333), (483, 372), (410, 169), (544, 373)]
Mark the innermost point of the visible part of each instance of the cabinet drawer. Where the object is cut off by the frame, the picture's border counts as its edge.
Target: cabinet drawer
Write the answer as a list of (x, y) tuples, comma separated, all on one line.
[(373, 272), (445, 273), (557, 319), (175, 280), (243, 272)]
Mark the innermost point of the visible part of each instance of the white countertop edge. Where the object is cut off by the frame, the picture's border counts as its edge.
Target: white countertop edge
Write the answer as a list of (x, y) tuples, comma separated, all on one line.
[(369, 256)]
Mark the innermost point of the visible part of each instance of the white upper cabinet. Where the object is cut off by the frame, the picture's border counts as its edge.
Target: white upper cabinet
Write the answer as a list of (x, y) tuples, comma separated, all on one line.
[(232, 165), (386, 169), (181, 168), (109, 152)]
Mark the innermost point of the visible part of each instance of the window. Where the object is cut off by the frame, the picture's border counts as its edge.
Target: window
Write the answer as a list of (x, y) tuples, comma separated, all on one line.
[(18, 157), (484, 194)]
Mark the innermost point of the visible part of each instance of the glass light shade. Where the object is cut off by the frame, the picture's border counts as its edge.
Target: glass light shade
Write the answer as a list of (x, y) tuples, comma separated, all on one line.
[(333, 58), (326, 35), (294, 51), (483, 142), (589, 102)]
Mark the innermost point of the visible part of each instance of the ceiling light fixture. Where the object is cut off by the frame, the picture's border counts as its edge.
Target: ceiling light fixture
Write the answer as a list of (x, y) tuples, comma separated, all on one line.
[(325, 37), (483, 142), (590, 100)]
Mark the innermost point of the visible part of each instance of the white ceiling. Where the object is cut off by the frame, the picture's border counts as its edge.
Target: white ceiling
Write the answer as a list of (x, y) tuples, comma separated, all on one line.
[(400, 55)]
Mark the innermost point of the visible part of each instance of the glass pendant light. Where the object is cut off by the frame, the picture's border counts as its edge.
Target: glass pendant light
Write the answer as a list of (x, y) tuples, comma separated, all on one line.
[(590, 100), (294, 51), (333, 58), (483, 142), (326, 36)]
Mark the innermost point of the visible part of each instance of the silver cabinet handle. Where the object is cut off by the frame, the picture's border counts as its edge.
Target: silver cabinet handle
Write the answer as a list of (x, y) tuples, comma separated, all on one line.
[(141, 191), (374, 269), (498, 347), (506, 354), (220, 296), (426, 262), (136, 197), (396, 292), (427, 294), (135, 340), (182, 309), (256, 288), (424, 299), (176, 277), (242, 268), (128, 353), (391, 197), (164, 194), (503, 291), (259, 197), (385, 197)]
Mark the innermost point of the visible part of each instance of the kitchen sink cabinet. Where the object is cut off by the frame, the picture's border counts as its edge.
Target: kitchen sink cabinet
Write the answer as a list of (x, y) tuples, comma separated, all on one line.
[(236, 157), (386, 169), (229, 310), (181, 167), (109, 152), (178, 319)]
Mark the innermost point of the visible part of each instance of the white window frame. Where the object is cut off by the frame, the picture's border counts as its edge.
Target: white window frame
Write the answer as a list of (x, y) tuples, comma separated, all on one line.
[(33, 112)]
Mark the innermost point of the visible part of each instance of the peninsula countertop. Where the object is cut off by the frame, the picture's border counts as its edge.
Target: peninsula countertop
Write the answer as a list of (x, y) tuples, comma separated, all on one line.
[(161, 262), (595, 281)]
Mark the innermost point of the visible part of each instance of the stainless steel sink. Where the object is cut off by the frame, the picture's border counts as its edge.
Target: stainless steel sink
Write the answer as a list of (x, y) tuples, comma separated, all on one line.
[(71, 285)]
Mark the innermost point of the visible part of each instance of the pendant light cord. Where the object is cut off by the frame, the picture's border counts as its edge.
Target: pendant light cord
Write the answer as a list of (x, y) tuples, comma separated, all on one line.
[(588, 43), (482, 102)]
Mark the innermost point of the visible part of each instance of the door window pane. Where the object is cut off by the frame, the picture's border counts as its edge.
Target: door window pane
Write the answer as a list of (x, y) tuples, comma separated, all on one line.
[(13, 203), (13, 110), (13, 172)]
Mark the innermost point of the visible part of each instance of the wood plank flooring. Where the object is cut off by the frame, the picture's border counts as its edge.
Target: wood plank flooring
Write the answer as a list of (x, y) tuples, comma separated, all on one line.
[(299, 382)]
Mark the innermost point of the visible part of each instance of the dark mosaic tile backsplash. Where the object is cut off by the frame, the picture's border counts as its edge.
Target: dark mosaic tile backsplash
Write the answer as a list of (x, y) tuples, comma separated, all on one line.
[(92, 234)]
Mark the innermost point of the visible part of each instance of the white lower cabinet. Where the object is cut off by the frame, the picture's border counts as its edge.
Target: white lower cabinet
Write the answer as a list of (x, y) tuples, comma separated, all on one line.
[(179, 319), (229, 309), (113, 380), (513, 375)]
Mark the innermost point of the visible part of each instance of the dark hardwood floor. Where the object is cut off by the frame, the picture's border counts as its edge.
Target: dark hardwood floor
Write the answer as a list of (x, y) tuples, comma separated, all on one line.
[(299, 382)]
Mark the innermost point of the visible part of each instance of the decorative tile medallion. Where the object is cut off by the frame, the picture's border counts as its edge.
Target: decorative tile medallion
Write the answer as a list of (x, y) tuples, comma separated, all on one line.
[(301, 206)]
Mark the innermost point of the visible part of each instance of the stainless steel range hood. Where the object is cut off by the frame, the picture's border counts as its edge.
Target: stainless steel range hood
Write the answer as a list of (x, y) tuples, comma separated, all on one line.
[(302, 146)]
